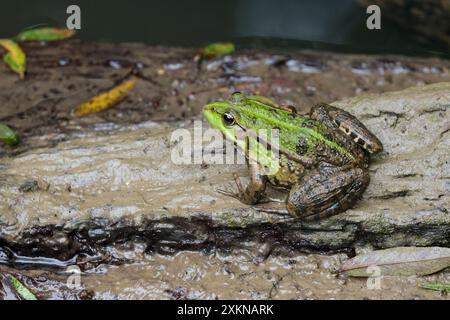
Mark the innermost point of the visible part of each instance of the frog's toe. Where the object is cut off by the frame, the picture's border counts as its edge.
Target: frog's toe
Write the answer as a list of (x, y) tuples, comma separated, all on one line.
[(226, 192), (237, 180), (232, 194)]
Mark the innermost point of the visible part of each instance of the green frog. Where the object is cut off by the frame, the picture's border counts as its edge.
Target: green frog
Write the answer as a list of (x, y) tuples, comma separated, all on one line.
[(321, 158)]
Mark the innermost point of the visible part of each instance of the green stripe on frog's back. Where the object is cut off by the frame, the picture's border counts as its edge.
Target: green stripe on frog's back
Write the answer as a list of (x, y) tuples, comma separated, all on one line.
[(267, 117)]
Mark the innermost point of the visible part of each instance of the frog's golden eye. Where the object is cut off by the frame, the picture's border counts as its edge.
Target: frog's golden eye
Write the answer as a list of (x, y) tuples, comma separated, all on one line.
[(228, 119)]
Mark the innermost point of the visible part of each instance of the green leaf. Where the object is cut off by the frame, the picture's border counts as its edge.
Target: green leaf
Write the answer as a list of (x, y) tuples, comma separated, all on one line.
[(21, 291), (45, 34), (217, 49), (442, 287), (7, 135)]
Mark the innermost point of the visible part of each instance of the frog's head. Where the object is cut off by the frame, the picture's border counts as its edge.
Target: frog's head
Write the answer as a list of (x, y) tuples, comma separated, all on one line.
[(240, 114), (225, 116), (241, 118)]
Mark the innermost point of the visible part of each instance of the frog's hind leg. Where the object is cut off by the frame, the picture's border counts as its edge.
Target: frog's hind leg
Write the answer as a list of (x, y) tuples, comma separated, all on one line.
[(337, 118), (318, 196)]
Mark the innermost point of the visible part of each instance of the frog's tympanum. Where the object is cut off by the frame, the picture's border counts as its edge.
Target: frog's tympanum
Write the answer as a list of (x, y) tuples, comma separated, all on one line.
[(322, 157)]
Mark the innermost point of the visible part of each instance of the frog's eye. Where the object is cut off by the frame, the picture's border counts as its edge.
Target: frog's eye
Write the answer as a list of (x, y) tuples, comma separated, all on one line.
[(228, 119)]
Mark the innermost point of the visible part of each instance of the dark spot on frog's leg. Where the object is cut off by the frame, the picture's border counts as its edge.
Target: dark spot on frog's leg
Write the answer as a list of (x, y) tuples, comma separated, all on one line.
[(345, 129), (364, 144), (308, 124), (302, 146), (292, 115), (338, 122), (360, 141)]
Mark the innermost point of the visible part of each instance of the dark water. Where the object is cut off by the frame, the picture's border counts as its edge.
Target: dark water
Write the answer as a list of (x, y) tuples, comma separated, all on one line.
[(336, 25)]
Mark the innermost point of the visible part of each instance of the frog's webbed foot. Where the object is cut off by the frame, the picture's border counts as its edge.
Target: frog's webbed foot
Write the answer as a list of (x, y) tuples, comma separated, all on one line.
[(337, 118), (320, 196), (254, 191), (237, 195)]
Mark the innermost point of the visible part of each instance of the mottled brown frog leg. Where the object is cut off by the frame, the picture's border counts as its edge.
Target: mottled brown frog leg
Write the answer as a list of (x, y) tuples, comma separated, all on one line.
[(254, 191), (319, 196), (337, 118)]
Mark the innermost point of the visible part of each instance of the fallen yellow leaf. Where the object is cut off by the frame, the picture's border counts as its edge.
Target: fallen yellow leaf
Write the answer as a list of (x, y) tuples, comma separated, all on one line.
[(15, 58), (104, 100)]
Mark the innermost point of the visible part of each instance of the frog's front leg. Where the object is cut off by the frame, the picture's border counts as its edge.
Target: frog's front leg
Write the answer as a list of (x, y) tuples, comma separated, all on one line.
[(254, 191), (337, 118), (319, 196)]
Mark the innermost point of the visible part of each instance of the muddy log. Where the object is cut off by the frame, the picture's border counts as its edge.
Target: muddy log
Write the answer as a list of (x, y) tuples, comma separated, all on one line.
[(119, 185), (77, 187)]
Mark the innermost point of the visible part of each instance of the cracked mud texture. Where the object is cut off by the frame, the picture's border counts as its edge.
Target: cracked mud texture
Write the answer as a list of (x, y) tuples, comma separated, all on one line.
[(121, 185)]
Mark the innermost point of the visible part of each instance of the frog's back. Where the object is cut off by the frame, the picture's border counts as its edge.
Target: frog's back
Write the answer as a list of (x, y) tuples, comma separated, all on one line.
[(302, 135)]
